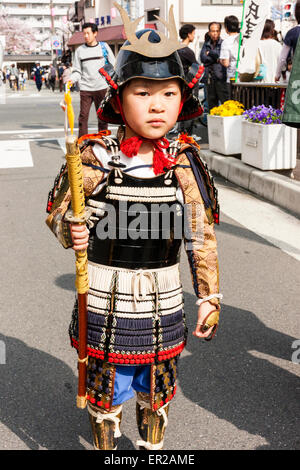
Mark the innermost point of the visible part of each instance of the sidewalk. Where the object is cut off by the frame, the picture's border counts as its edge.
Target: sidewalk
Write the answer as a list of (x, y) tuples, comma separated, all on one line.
[(277, 188), (30, 88)]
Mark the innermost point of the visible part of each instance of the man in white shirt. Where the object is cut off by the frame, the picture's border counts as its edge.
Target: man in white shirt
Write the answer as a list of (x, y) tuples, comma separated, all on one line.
[(89, 58), (230, 46)]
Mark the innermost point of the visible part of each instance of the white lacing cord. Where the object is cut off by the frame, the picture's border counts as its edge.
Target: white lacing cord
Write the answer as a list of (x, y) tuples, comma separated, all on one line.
[(210, 297), (109, 417), (96, 448), (139, 287), (161, 412), (149, 446)]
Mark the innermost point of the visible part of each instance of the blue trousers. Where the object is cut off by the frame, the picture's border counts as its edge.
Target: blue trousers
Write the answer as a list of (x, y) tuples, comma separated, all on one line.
[(129, 379)]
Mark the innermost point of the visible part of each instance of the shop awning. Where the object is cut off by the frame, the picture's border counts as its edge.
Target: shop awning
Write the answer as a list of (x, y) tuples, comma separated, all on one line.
[(111, 33)]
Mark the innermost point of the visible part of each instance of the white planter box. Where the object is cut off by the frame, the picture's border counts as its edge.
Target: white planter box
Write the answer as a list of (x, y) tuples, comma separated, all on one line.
[(269, 147), (225, 134)]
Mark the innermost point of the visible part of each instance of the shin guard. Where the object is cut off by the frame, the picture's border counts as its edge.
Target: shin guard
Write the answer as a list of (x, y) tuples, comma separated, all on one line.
[(151, 424), (105, 427)]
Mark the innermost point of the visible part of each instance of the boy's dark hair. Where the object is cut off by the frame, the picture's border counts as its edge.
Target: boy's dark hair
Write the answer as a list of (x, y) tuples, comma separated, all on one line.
[(185, 30), (215, 22), (232, 24), (297, 11), (93, 27), (269, 30)]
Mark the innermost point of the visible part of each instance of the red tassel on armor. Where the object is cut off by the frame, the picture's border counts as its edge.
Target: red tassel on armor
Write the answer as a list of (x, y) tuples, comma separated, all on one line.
[(130, 147)]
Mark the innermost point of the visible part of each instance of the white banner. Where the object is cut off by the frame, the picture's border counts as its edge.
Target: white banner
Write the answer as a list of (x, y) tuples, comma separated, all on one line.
[(256, 13)]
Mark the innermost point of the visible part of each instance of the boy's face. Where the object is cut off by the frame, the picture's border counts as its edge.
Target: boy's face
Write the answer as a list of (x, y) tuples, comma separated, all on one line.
[(151, 107)]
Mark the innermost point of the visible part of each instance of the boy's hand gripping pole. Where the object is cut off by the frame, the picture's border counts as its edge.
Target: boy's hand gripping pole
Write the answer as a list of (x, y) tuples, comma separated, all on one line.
[(82, 282)]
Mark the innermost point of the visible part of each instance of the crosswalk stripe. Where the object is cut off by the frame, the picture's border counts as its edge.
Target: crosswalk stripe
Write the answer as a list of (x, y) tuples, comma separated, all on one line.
[(15, 154)]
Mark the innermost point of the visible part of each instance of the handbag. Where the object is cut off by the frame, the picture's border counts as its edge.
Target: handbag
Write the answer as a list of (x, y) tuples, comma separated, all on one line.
[(261, 69)]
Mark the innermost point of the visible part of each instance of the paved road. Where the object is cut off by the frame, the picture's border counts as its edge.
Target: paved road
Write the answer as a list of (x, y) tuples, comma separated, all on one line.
[(240, 391)]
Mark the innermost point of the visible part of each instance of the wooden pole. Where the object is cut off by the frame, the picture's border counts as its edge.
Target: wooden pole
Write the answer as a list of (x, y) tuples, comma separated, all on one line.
[(82, 284)]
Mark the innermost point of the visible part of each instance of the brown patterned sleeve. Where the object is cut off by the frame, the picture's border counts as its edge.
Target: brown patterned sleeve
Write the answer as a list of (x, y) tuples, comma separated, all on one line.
[(62, 197), (200, 239)]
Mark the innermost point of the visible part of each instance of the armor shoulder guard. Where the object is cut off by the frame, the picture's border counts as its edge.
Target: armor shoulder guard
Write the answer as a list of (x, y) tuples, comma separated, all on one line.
[(203, 178), (103, 138)]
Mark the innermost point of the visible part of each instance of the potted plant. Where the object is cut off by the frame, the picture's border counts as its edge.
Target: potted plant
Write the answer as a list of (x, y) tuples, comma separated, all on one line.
[(225, 128), (268, 144)]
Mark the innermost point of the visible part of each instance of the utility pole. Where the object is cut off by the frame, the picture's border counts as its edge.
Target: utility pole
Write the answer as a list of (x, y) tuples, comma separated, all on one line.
[(52, 29)]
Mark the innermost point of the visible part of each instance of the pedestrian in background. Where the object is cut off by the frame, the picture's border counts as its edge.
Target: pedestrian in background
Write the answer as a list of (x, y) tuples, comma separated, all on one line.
[(61, 69), (187, 55), (7, 74), (89, 58), (52, 76), (269, 52), (187, 35), (230, 47), (289, 44), (67, 72), (38, 76), (15, 76), (22, 79), (215, 77), (45, 78)]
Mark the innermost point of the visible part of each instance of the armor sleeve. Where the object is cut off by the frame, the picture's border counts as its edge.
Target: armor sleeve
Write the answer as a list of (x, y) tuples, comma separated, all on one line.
[(59, 198), (199, 234)]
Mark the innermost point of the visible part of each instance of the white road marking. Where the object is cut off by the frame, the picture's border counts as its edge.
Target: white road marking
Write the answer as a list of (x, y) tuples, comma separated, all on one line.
[(22, 132), (31, 131), (265, 220), (62, 144), (15, 154)]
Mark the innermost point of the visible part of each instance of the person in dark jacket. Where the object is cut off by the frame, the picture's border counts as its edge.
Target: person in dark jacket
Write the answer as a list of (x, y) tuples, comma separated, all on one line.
[(188, 58), (215, 74), (186, 54), (38, 74)]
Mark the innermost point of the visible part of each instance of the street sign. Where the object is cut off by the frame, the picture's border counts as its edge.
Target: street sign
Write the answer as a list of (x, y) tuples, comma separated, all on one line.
[(56, 43)]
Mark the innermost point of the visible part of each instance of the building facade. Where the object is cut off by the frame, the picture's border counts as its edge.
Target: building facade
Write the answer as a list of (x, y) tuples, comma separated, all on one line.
[(199, 13), (46, 19)]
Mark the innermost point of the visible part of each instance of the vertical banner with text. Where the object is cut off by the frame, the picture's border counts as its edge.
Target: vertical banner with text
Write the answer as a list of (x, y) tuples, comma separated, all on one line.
[(255, 14)]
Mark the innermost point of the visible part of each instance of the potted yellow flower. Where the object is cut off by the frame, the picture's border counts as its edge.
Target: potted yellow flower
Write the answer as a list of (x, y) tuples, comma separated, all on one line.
[(225, 128)]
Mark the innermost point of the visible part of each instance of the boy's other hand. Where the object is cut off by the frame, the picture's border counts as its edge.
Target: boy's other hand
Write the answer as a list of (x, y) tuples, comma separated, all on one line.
[(204, 310)]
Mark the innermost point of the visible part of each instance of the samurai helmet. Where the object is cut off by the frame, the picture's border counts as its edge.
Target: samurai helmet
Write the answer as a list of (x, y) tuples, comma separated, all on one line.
[(150, 54)]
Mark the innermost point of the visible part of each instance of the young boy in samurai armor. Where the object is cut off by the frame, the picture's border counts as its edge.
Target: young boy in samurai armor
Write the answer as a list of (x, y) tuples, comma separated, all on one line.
[(136, 322)]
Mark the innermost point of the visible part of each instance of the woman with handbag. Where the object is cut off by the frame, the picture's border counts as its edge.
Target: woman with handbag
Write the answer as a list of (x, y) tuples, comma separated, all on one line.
[(269, 51)]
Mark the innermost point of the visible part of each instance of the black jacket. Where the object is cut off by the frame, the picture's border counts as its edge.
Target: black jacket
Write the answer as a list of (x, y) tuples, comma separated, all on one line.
[(187, 57), (216, 70)]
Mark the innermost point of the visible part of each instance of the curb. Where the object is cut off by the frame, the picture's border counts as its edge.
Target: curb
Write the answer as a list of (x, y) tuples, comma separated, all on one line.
[(276, 188)]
